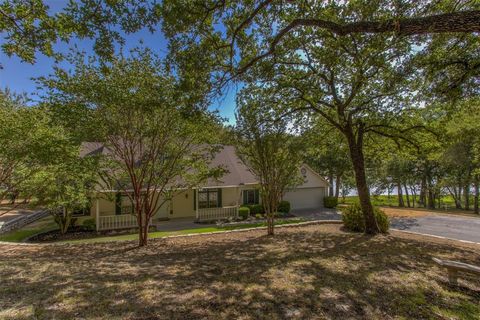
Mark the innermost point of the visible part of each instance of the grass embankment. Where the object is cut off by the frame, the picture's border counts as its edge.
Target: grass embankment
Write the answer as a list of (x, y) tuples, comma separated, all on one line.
[(42, 225), (309, 272)]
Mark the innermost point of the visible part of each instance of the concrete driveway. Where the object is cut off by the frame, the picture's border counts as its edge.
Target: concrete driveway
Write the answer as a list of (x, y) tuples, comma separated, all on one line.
[(455, 227), (317, 214)]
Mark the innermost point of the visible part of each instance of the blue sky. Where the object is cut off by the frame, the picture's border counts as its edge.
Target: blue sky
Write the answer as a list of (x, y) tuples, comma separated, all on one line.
[(19, 76)]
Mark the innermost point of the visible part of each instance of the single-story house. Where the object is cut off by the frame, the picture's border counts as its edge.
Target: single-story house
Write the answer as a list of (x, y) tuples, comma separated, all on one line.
[(214, 200)]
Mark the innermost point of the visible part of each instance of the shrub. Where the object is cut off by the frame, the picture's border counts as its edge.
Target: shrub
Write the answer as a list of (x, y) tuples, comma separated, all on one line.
[(259, 216), (89, 224), (256, 209), (330, 202), (284, 207), (280, 215), (353, 220), (244, 212)]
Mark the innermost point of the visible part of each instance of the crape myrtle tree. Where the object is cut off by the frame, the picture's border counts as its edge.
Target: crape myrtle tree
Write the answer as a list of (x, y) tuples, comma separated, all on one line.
[(266, 145), (65, 185), (157, 134), (342, 61)]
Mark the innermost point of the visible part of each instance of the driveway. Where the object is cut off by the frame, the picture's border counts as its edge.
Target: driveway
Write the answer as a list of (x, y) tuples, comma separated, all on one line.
[(317, 214), (455, 227)]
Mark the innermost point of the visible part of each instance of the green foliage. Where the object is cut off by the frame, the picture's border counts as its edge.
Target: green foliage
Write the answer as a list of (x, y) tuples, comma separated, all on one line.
[(89, 224), (353, 219), (244, 212), (256, 209), (284, 207), (259, 216), (330, 202)]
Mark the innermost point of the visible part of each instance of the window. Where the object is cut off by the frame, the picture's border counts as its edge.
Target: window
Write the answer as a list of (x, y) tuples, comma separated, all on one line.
[(209, 198), (123, 205), (251, 196)]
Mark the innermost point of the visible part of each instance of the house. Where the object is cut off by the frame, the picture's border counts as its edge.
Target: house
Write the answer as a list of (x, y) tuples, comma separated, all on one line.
[(217, 199)]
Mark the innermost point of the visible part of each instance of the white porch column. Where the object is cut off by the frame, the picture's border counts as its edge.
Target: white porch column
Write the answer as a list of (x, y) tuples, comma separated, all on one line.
[(97, 215), (196, 203)]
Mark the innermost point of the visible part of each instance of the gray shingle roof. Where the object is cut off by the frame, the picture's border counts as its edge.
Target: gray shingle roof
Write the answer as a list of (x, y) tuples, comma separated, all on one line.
[(237, 173)]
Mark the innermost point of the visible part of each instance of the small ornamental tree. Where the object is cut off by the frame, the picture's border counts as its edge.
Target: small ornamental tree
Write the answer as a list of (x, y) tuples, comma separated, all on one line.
[(266, 146), (65, 186), (157, 131)]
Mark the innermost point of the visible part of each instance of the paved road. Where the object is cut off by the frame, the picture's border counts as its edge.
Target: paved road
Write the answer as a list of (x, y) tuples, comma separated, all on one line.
[(455, 227)]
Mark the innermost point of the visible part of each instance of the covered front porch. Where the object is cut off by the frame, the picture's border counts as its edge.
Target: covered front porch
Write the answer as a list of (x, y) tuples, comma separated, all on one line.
[(199, 205)]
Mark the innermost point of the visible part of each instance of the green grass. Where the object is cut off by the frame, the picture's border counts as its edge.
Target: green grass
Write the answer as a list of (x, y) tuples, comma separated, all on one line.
[(47, 224), (42, 225), (392, 200), (161, 234)]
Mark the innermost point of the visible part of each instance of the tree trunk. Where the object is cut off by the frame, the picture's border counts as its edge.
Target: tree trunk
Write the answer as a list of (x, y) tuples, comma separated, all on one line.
[(400, 195), (407, 195), (330, 189), (475, 201), (338, 180), (466, 194), (413, 190), (431, 198), (422, 197), (270, 225), (358, 162)]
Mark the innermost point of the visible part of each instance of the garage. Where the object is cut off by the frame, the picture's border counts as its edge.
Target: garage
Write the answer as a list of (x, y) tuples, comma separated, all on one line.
[(305, 198)]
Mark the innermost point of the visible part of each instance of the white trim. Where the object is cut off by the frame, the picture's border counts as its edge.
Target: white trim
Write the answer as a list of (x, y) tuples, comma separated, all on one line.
[(97, 215)]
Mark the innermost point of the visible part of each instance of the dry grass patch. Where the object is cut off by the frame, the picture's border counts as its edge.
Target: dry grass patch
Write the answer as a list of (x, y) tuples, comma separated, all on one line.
[(307, 272)]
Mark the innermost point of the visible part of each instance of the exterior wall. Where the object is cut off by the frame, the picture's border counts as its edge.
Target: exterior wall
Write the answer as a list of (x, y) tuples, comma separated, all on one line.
[(312, 179), (305, 198), (107, 207), (181, 205)]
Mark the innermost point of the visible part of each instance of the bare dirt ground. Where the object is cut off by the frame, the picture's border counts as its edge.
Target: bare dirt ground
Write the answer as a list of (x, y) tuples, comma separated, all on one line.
[(309, 272)]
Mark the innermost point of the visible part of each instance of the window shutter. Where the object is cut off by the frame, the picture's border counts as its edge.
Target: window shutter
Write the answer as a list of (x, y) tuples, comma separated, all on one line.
[(118, 203), (257, 196), (194, 199), (245, 200), (219, 198)]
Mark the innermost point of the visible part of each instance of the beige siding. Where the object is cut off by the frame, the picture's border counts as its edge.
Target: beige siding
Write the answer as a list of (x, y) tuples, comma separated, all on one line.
[(305, 198), (106, 206), (181, 205)]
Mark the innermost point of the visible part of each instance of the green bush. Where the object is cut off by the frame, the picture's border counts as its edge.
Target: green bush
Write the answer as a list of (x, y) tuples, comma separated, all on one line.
[(89, 224), (256, 209), (244, 212), (284, 206), (353, 220), (330, 202), (259, 216)]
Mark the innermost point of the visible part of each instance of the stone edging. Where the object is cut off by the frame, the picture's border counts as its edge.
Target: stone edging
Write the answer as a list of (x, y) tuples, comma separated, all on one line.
[(290, 225)]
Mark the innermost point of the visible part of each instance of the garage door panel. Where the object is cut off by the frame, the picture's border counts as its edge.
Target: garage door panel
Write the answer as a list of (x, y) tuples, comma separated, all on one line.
[(305, 198)]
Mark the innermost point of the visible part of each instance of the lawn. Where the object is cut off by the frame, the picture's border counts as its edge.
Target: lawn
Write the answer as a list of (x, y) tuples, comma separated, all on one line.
[(392, 200), (47, 224), (315, 271), (42, 225)]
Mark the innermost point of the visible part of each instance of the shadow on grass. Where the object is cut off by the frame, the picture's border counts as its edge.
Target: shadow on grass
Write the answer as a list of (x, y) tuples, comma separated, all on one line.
[(298, 274)]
